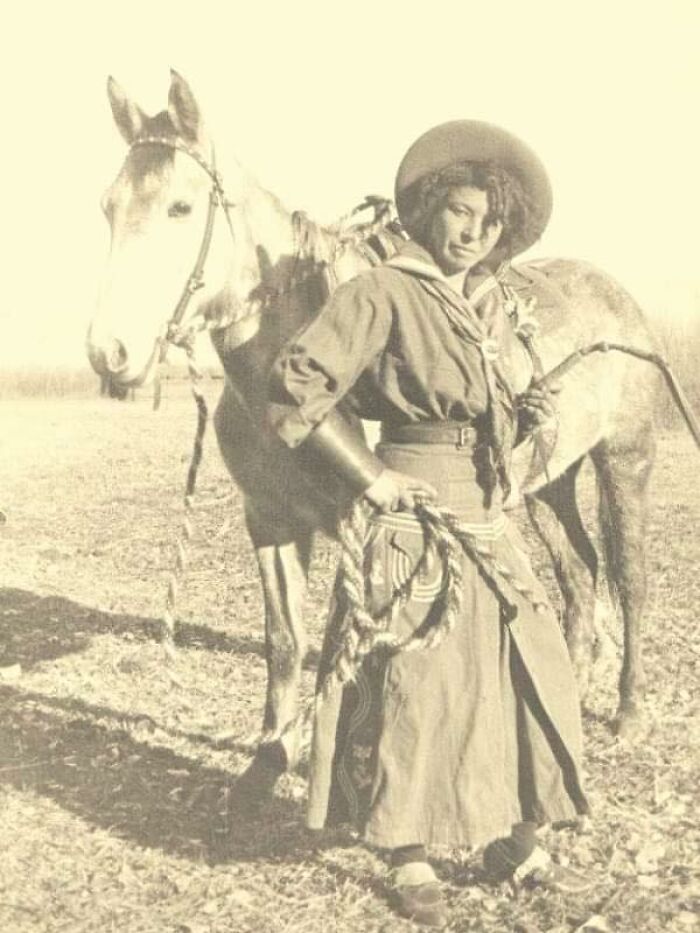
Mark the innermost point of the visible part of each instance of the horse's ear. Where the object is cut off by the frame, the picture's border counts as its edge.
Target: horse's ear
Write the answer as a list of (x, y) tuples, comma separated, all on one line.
[(128, 116), (184, 110)]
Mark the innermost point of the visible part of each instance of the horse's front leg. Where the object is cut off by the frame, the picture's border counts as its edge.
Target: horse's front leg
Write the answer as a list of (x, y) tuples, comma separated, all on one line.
[(282, 545), (283, 555)]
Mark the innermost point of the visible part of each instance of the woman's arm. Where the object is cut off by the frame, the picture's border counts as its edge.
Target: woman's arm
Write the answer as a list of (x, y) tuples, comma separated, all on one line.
[(321, 364), (348, 456), (313, 374), (345, 452)]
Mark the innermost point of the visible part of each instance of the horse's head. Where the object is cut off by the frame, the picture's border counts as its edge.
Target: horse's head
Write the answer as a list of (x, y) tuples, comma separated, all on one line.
[(171, 236)]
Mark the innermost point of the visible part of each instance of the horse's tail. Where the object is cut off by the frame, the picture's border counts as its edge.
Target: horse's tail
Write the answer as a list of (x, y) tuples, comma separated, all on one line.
[(606, 612), (606, 526)]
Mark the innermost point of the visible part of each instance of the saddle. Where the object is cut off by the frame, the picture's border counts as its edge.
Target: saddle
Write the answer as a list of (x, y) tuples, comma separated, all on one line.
[(378, 238)]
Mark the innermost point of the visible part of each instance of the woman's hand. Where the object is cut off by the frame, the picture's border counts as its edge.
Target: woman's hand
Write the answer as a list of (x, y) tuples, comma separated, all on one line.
[(393, 491), (536, 406)]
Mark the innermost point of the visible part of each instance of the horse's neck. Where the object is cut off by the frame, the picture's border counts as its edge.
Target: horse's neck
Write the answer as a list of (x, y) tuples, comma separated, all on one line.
[(270, 242), (269, 228), (277, 281)]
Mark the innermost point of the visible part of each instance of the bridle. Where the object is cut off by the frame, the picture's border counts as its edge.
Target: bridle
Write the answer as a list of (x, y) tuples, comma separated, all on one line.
[(175, 332), (180, 331)]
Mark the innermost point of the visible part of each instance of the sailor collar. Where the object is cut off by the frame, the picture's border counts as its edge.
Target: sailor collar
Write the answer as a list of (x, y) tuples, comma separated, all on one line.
[(417, 261)]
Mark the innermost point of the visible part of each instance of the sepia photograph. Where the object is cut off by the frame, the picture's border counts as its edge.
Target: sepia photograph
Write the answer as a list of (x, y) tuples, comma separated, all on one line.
[(349, 456)]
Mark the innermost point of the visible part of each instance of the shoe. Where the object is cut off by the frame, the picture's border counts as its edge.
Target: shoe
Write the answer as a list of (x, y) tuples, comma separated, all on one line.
[(539, 871), (500, 861), (416, 895)]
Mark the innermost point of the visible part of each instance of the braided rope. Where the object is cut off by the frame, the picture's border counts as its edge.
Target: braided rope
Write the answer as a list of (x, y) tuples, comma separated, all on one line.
[(363, 633), (501, 574), (445, 536), (185, 337)]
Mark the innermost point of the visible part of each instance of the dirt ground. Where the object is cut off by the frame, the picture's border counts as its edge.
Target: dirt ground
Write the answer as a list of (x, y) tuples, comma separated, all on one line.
[(117, 771)]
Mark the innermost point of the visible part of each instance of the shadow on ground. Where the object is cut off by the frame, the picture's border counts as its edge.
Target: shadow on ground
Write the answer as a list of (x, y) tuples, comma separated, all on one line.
[(37, 628), (147, 794)]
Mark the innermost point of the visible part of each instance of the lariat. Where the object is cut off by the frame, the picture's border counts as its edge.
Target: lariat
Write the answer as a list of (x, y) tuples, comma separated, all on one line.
[(447, 539)]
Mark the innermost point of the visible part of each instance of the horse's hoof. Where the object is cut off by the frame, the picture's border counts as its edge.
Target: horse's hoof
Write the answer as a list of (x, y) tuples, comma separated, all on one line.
[(629, 724), (256, 786), (272, 756)]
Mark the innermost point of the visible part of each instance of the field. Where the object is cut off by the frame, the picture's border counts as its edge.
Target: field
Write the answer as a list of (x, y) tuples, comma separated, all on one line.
[(117, 770)]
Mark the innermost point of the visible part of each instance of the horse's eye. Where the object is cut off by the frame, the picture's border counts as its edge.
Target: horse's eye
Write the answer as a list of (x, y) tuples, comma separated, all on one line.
[(179, 209)]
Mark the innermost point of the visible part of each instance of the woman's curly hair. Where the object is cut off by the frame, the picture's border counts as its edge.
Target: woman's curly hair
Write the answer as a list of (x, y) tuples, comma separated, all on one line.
[(508, 203)]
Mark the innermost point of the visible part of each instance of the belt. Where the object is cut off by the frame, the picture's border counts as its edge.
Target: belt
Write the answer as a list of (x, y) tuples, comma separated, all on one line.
[(459, 434)]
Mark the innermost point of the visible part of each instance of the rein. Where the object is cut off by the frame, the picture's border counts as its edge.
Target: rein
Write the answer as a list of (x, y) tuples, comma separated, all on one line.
[(444, 535), (378, 240)]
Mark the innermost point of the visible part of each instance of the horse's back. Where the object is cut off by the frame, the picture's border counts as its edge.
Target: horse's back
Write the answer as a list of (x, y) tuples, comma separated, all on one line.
[(607, 396), (578, 297)]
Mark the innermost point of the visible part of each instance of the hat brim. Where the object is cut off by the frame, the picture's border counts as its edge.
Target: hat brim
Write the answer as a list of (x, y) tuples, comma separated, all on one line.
[(475, 141)]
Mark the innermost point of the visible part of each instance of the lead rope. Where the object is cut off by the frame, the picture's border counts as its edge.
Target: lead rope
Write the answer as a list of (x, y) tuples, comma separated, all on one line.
[(182, 543), (186, 340)]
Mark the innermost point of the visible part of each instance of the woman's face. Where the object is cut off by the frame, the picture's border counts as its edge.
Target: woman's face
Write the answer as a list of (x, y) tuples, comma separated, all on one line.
[(458, 238)]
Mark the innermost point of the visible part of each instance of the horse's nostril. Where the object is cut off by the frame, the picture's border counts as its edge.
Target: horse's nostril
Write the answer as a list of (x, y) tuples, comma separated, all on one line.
[(116, 357)]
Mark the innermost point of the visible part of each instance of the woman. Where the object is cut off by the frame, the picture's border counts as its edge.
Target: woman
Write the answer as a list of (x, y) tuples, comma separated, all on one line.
[(476, 741)]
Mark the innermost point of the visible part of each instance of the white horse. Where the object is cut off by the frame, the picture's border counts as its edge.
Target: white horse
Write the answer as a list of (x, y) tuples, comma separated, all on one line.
[(223, 250)]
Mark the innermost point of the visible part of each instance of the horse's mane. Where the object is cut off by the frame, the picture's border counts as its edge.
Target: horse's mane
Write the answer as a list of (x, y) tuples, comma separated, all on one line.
[(374, 239)]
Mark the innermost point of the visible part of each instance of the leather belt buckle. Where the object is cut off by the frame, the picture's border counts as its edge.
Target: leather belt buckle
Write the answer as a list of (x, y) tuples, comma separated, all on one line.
[(463, 436)]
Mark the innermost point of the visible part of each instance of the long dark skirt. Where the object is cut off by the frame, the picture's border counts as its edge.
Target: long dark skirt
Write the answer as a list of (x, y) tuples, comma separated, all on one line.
[(455, 744)]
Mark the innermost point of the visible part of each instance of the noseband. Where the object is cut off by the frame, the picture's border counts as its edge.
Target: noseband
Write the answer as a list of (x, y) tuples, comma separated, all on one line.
[(217, 197)]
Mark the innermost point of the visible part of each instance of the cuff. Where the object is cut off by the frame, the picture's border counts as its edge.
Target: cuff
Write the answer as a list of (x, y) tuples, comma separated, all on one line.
[(345, 452)]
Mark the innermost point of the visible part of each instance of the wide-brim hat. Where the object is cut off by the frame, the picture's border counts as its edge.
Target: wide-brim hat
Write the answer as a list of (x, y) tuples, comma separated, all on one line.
[(475, 141)]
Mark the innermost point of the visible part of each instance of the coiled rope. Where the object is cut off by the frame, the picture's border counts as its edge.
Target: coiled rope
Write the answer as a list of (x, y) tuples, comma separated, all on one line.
[(362, 633)]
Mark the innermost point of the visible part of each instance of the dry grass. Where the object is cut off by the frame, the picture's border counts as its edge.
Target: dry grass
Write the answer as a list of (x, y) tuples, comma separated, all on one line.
[(679, 340), (47, 382), (118, 795), (57, 382)]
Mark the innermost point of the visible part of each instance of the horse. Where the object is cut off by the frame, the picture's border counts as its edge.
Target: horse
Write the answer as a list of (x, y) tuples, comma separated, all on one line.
[(193, 247), (110, 388)]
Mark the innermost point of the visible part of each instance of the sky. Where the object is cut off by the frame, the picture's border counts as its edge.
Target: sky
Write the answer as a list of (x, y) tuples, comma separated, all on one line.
[(321, 99)]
